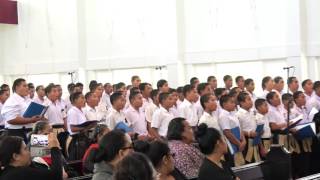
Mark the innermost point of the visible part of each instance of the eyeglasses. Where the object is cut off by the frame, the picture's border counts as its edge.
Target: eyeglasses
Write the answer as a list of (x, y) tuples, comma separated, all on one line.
[(128, 147)]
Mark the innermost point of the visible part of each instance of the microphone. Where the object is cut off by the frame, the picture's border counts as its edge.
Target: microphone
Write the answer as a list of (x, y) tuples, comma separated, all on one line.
[(289, 67)]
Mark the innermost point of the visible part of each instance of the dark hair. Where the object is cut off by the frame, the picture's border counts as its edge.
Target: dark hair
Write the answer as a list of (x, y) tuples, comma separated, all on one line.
[(218, 91), (92, 83), (79, 84), (2, 91), (161, 82), (142, 86), (98, 131), (180, 89), (135, 166), (133, 95), (224, 99), (270, 96), (110, 145), (207, 138), (157, 150), (287, 97), (119, 85), (277, 79), (186, 89), (264, 81), (49, 88), (39, 126), (248, 81), (88, 95), (134, 89), (227, 77), (115, 96), (134, 78), (172, 90), (17, 83), (154, 93), (234, 91), (305, 82), (9, 145), (316, 85), (201, 87), (204, 99), (141, 146), (163, 96), (38, 87), (259, 102), (75, 96), (296, 95), (93, 87), (106, 84), (4, 86), (242, 96), (211, 78), (193, 80), (290, 79), (71, 87), (30, 86), (175, 129), (238, 78)]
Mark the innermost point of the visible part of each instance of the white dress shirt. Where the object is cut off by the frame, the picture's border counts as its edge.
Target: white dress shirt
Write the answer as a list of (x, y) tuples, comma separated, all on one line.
[(145, 103), (75, 117), (55, 113), (199, 108), (149, 111), (1, 118), (263, 119), (93, 114), (174, 110), (160, 120), (114, 117), (15, 106), (247, 120), (137, 119), (38, 100), (302, 111), (228, 120), (314, 102), (188, 111), (106, 99), (210, 120), (264, 94), (276, 115)]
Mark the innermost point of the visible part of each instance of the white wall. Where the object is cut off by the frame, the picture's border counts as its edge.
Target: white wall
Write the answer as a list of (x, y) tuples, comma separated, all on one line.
[(113, 40)]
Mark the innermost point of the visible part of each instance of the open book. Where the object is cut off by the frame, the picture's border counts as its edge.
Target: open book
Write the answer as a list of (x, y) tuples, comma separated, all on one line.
[(257, 139), (35, 109), (305, 130)]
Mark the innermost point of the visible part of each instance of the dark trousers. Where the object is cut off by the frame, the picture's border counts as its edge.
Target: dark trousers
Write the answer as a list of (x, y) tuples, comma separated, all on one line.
[(20, 133)]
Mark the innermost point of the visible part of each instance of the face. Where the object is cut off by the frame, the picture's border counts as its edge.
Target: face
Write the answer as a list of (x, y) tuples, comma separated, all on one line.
[(269, 85), (136, 82), (207, 90), (230, 105), (301, 100), (213, 83), (175, 97), (294, 86), (4, 97), (169, 102), (308, 87), (41, 92), (247, 104), (263, 109), (193, 95), (187, 134), (212, 103), (59, 91), (98, 91), (240, 83), (80, 101), (24, 157), (93, 100), (165, 88), (251, 87), (53, 95), (228, 83), (47, 130), (108, 89), (275, 101), (222, 146), (137, 101), (23, 89), (127, 149), (168, 161), (120, 102), (280, 85), (147, 90), (181, 97)]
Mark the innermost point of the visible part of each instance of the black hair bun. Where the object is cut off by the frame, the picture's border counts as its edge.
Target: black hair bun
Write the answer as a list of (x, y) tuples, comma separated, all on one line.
[(202, 130)]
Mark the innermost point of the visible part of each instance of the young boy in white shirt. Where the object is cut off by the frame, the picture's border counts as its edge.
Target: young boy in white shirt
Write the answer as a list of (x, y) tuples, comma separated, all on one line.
[(209, 104), (116, 114), (187, 108), (202, 89)]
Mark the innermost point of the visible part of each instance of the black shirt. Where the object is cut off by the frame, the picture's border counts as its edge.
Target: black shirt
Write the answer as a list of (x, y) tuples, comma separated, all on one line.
[(26, 173), (211, 171)]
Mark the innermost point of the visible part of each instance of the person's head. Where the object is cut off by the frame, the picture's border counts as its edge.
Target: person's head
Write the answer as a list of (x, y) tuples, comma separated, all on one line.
[(14, 152), (174, 95), (20, 87), (234, 92), (118, 100), (97, 89), (166, 100), (4, 95), (141, 146), (5, 87), (121, 87), (134, 89), (180, 93), (77, 99), (220, 92), (42, 128), (287, 100), (245, 100), (135, 166), (31, 90), (299, 98), (160, 156), (278, 83), (204, 88), (240, 82), (135, 99), (227, 79), (145, 89), (179, 129), (135, 81), (194, 81), (267, 83), (40, 91), (107, 88), (249, 85), (261, 106), (99, 131), (52, 92), (190, 93), (211, 141), (163, 85), (79, 87), (59, 90), (316, 88), (208, 102), (293, 84), (155, 96), (71, 88), (307, 86), (113, 147), (273, 99), (91, 83), (92, 99), (228, 103), (212, 80)]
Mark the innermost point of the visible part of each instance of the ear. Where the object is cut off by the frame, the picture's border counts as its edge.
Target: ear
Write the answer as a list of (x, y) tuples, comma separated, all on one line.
[(165, 159), (15, 156)]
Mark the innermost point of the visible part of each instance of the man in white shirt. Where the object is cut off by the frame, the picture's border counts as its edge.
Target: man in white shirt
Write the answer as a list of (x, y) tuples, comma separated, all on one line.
[(135, 116), (61, 102), (145, 89), (116, 114), (209, 104), (240, 82), (267, 86), (14, 108), (101, 108), (261, 118), (203, 88), (293, 84), (314, 101), (307, 86), (90, 111), (4, 95), (106, 94), (278, 85), (250, 86), (187, 109), (40, 98), (162, 116)]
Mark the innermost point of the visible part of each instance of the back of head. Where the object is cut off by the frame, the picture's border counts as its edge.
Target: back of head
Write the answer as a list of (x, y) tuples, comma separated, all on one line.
[(157, 150), (207, 138), (175, 129)]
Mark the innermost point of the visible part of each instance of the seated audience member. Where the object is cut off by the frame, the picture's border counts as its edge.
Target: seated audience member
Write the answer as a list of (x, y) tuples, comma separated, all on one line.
[(162, 116), (163, 86), (213, 145), (88, 159), (135, 166), (116, 114), (16, 161), (209, 104), (187, 108), (113, 147), (267, 86), (240, 82), (187, 157), (40, 98)]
